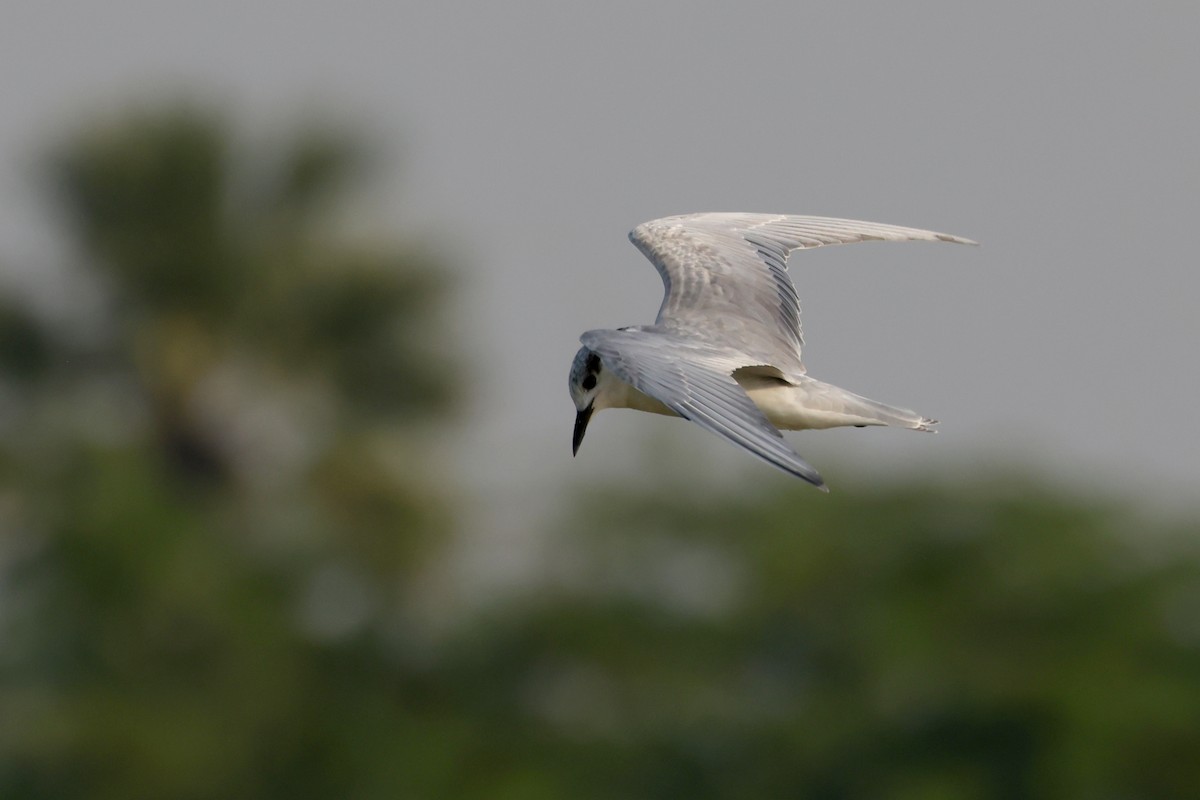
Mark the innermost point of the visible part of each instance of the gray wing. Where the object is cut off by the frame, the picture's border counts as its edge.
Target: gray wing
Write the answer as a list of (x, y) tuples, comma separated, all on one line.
[(725, 274), (695, 381)]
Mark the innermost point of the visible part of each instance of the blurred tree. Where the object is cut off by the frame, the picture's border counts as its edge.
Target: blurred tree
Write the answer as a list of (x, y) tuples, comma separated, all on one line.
[(215, 485), (216, 499), (993, 641)]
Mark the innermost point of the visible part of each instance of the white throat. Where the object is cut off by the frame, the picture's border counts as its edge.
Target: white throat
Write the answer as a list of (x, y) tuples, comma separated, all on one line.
[(612, 392)]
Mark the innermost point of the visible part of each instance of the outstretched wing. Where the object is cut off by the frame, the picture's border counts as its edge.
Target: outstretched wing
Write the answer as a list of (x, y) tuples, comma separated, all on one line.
[(725, 274), (695, 381)]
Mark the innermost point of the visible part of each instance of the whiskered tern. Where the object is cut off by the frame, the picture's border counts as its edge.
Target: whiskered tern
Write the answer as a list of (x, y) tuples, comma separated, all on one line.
[(725, 349)]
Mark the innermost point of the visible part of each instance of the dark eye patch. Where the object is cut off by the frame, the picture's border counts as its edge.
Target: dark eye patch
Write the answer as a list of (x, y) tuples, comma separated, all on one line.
[(593, 363), (589, 382)]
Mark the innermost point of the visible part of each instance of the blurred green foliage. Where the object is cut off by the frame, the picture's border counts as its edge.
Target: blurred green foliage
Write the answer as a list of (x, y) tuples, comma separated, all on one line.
[(981, 641), (218, 511), (216, 492)]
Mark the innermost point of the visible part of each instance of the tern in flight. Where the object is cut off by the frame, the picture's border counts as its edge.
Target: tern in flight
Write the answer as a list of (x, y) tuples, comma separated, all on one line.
[(725, 349)]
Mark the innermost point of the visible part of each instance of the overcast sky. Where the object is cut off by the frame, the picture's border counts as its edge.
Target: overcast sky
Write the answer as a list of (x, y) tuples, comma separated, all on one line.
[(531, 137)]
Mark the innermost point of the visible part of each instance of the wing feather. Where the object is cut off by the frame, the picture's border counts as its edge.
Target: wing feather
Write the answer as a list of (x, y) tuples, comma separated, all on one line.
[(725, 275)]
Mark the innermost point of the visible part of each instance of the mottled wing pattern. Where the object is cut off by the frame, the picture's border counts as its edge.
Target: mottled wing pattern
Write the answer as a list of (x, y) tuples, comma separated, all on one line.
[(695, 381), (725, 275)]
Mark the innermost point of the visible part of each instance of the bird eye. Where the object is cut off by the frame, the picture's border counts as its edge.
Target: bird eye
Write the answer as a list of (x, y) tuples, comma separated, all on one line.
[(589, 382)]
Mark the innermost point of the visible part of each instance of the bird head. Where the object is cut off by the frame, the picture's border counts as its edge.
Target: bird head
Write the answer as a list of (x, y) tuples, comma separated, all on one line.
[(583, 383)]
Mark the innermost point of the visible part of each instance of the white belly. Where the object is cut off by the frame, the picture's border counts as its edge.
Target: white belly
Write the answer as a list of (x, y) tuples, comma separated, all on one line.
[(811, 404), (807, 404), (792, 410)]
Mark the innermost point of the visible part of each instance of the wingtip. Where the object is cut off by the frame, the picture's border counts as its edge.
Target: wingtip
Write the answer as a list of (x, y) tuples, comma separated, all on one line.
[(945, 237), (813, 478)]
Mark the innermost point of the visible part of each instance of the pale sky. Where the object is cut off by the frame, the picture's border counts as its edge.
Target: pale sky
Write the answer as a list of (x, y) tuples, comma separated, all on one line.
[(531, 137)]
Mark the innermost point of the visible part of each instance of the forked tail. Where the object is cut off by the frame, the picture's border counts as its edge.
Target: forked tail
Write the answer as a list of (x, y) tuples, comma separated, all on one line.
[(809, 403), (878, 413)]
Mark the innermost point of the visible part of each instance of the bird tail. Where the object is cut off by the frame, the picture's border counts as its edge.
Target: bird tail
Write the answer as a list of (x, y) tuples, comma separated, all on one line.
[(873, 412), (805, 403)]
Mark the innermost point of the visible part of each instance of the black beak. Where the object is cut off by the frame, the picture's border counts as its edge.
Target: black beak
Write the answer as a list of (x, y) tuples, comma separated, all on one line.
[(581, 421)]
